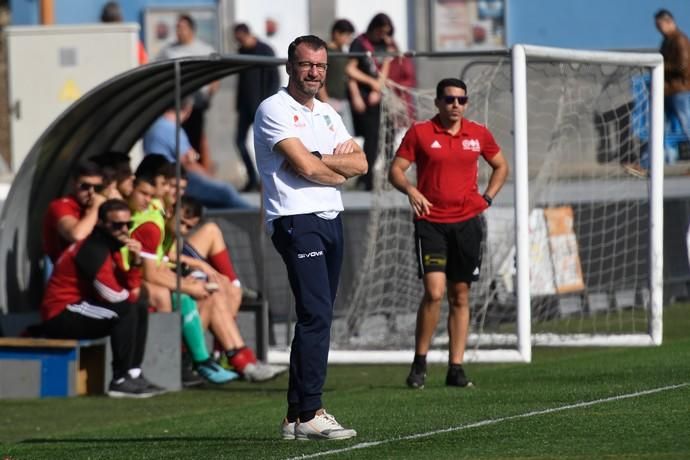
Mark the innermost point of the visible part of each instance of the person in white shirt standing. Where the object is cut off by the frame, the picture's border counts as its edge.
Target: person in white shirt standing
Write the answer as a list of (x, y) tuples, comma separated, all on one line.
[(304, 153)]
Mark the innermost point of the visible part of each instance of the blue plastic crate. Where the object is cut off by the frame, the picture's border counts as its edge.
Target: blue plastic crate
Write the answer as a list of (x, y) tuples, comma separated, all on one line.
[(41, 368)]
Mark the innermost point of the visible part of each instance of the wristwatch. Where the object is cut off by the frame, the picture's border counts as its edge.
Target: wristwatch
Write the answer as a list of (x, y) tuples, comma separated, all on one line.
[(488, 199), (316, 154)]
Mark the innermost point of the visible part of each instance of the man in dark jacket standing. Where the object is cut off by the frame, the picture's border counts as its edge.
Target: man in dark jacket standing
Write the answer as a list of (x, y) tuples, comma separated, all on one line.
[(675, 49), (255, 84)]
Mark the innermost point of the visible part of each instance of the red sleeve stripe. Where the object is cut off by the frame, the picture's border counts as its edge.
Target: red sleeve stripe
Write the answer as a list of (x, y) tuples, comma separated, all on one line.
[(110, 294)]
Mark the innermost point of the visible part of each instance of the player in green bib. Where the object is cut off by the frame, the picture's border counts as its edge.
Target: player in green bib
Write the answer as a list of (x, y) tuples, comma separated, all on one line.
[(149, 229)]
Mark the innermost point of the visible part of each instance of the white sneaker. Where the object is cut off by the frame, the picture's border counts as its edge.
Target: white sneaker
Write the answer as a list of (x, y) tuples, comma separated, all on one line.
[(261, 372), (287, 430), (322, 426), (278, 369)]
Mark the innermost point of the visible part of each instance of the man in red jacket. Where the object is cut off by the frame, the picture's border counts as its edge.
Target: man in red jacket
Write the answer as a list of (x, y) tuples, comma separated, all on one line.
[(90, 295), (447, 207)]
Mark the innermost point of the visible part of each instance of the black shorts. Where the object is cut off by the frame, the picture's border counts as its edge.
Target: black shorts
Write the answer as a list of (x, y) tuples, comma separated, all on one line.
[(451, 248)]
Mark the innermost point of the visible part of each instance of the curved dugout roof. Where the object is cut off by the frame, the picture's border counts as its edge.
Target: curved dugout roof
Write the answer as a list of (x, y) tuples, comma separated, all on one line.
[(111, 117)]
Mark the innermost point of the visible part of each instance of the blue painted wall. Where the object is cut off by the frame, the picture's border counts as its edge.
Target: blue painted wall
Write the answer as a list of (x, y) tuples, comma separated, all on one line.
[(25, 12), (591, 24)]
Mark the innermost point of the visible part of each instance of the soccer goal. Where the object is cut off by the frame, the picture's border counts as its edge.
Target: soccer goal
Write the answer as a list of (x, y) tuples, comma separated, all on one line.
[(573, 247)]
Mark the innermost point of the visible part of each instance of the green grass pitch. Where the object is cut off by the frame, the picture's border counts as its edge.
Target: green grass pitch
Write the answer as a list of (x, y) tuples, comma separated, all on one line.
[(515, 411)]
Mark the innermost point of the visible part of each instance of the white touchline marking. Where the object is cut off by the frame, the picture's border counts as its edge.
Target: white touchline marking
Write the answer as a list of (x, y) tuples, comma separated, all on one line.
[(365, 445)]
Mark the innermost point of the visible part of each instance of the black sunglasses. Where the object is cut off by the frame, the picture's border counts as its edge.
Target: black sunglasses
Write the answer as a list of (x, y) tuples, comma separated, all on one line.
[(119, 225), (84, 186), (462, 100)]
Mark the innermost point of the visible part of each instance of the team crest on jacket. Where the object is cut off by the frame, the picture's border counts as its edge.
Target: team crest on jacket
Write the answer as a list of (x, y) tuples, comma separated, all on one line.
[(298, 123), (329, 123), (471, 144)]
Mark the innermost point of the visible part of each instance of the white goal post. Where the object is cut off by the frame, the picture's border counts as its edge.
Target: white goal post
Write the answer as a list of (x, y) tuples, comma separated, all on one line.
[(655, 62), (619, 218)]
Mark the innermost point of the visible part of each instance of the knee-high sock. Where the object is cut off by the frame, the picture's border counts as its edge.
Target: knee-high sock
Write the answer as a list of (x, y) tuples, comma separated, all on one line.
[(192, 329), (221, 261)]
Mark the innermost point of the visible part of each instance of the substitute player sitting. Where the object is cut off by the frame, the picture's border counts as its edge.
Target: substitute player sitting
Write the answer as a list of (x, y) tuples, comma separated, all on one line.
[(73, 217), (205, 253), (447, 207), (196, 301)]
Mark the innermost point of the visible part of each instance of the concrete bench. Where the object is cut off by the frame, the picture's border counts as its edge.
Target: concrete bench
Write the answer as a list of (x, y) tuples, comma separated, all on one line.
[(259, 308), (33, 368)]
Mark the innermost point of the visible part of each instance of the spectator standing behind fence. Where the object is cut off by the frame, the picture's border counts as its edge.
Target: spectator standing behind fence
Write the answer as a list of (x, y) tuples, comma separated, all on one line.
[(111, 12), (675, 48), (253, 86), (189, 45), (403, 73), (211, 192), (447, 210), (90, 295), (73, 217), (369, 73), (334, 92)]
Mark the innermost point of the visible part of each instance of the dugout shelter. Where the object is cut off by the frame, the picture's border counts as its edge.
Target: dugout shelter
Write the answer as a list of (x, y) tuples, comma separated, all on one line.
[(111, 117)]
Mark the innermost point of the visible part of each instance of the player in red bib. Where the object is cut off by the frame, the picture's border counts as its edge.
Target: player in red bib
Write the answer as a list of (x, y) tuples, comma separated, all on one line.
[(447, 206)]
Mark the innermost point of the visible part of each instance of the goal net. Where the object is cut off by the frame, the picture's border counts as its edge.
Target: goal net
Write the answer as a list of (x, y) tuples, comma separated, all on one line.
[(584, 273)]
